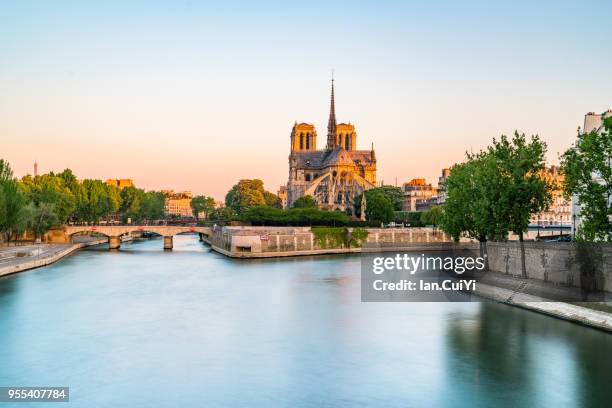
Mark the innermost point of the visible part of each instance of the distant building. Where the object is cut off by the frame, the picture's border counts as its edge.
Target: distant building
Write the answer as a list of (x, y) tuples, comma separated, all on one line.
[(35, 168), (442, 190), (178, 204), (121, 183), (417, 193), (282, 195), (560, 211), (332, 176), (592, 121)]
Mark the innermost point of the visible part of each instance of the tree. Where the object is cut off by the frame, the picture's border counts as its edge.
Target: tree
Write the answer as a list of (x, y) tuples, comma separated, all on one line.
[(202, 204), (272, 200), (432, 216), (496, 191), (51, 189), (305, 202), (588, 174), (524, 190), (470, 206), (395, 195), (6, 173), (12, 204), (221, 214), (131, 203), (152, 206), (96, 200), (378, 208), (245, 194), (41, 217)]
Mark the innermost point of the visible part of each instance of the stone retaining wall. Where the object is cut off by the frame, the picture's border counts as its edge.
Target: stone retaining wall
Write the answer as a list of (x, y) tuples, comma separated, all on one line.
[(566, 263)]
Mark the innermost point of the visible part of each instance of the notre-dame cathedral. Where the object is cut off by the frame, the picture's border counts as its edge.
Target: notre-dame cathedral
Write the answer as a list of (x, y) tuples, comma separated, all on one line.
[(333, 176)]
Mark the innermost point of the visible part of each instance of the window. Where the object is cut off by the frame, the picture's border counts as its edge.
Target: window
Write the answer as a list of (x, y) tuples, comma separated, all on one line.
[(347, 142), (307, 141), (301, 141), (307, 178)]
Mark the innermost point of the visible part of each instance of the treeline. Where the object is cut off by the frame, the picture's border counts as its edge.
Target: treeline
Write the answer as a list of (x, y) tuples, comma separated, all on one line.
[(42, 202), (495, 191)]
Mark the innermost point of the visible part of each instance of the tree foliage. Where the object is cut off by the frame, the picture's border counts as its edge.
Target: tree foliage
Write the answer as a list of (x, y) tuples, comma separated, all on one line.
[(305, 202), (378, 207), (264, 215), (432, 216), (202, 204), (395, 195), (588, 174), (249, 193)]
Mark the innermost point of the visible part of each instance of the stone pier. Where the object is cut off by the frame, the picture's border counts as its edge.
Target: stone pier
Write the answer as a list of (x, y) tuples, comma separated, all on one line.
[(167, 242), (114, 242)]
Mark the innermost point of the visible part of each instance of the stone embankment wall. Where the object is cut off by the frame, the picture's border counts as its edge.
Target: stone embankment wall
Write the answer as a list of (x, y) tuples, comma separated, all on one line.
[(251, 242), (566, 263)]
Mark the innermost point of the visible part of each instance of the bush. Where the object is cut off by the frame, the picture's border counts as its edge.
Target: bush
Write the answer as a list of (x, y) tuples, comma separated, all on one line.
[(408, 217), (293, 217)]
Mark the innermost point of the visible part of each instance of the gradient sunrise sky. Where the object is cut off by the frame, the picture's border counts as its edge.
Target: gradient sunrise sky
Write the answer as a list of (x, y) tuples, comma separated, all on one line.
[(196, 95)]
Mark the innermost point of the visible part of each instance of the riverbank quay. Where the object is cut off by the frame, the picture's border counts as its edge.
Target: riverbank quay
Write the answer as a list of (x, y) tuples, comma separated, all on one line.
[(588, 309), (275, 242), (25, 257)]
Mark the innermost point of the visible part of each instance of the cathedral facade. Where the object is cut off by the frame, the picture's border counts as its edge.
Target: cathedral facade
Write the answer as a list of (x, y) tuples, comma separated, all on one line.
[(335, 175)]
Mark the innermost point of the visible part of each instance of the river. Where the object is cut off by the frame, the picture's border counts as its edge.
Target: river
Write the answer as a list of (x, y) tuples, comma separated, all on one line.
[(146, 328)]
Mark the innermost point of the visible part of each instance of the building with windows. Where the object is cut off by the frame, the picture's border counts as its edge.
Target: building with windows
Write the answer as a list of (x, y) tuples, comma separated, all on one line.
[(419, 195), (121, 183), (335, 175), (560, 211), (442, 191), (178, 204)]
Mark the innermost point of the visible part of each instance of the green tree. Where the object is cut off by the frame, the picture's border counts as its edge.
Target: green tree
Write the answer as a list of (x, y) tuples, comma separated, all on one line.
[(496, 191), (272, 200), (305, 202), (6, 173), (50, 189), (131, 203), (202, 204), (245, 194), (432, 216), (41, 217), (587, 167), (14, 217), (524, 190), (395, 195), (470, 209), (152, 206), (378, 208), (95, 201), (221, 214)]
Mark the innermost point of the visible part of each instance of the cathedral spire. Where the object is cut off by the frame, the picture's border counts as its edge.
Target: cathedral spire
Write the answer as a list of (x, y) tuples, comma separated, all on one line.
[(331, 124)]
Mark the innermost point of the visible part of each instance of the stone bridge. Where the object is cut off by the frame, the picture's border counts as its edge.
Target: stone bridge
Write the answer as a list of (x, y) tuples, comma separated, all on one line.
[(114, 232)]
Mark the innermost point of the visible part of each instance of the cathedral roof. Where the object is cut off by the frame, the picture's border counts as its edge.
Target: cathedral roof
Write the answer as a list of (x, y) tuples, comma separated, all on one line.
[(335, 157)]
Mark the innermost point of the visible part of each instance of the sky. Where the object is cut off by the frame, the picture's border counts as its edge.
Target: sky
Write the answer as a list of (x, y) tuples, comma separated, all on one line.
[(196, 95)]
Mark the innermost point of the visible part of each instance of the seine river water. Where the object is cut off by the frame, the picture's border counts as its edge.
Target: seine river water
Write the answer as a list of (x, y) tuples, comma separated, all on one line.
[(190, 328)]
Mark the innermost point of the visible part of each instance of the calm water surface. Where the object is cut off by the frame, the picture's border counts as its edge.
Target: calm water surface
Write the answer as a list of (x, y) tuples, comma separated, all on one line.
[(147, 328)]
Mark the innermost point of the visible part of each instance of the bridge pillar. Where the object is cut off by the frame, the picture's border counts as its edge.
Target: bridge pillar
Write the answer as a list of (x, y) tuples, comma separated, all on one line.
[(114, 242), (200, 236), (168, 242)]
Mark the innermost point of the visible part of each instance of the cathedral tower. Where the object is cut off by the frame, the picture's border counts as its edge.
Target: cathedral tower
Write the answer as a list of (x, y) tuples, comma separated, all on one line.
[(303, 138)]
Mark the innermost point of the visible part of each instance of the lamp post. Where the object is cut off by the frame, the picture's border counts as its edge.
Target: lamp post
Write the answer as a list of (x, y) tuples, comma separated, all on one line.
[(538, 226), (573, 225)]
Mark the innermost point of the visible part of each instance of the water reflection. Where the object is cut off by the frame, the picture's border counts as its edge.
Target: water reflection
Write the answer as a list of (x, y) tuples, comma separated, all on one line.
[(141, 327)]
